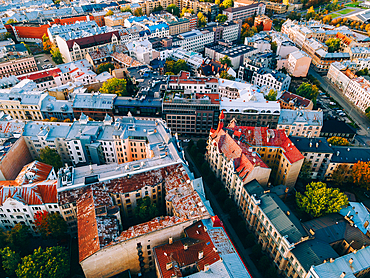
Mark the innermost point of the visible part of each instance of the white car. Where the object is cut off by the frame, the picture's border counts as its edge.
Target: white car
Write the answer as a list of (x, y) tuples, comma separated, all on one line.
[(186, 140)]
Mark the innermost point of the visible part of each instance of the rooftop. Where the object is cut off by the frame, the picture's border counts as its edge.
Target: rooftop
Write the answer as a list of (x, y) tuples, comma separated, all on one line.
[(301, 117), (311, 145), (296, 100)]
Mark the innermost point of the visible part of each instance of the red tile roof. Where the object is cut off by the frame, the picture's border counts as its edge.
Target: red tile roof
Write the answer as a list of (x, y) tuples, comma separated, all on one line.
[(300, 101), (93, 40), (184, 78), (33, 172)]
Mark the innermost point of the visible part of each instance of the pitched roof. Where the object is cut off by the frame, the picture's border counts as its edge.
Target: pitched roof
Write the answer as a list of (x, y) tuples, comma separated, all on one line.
[(33, 172), (93, 40)]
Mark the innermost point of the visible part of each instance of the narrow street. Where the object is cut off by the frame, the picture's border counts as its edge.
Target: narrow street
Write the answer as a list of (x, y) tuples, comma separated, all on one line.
[(350, 108), (244, 253)]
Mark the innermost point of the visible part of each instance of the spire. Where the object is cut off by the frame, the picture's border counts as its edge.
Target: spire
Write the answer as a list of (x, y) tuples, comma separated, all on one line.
[(221, 121)]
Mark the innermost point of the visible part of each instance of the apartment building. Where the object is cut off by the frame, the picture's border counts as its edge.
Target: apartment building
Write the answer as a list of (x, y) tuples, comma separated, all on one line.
[(359, 53), (75, 48), (117, 19), (271, 79), (292, 101), (241, 102), (59, 30), (195, 40), (278, 8), (243, 12), (52, 107), (305, 123), (191, 105), (229, 31), (193, 60), (298, 64), (340, 74), (268, 146), (337, 128), (263, 20), (317, 152), (357, 91)]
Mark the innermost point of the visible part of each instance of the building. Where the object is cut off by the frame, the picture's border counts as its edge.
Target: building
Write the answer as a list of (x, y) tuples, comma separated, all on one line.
[(243, 12), (263, 20), (244, 103), (340, 74), (116, 19), (266, 148), (298, 64), (17, 64), (93, 105), (196, 254), (195, 40), (317, 152), (357, 214), (52, 107), (229, 31), (212, 68), (271, 79), (285, 45), (294, 102), (275, 7), (357, 92), (305, 123), (236, 53), (59, 30), (193, 59), (337, 128), (76, 47), (191, 105)]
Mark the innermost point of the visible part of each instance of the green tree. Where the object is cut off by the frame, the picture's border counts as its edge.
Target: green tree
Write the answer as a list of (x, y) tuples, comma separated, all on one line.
[(115, 86), (319, 200), (51, 157), (221, 18), (274, 47), (226, 4), (18, 238), (27, 47), (340, 175), (126, 9), (338, 141), (305, 173), (308, 91), (271, 96), (173, 9), (51, 263), (104, 67), (158, 9), (138, 12), (185, 11), (202, 20), (10, 21), (201, 145), (145, 210), (50, 224), (56, 55), (225, 75), (180, 65), (169, 66), (227, 205), (109, 13), (226, 61), (10, 261), (333, 45)]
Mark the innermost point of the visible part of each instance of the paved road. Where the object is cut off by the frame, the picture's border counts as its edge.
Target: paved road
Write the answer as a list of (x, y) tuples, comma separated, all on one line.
[(351, 110), (244, 253)]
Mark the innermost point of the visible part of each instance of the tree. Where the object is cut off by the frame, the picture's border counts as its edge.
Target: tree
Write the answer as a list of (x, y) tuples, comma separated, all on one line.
[(10, 261), (127, 9), (158, 9), (305, 173), (109, 13), (338, 141), (18, 238), (27, 47), (173, 9), (50, 224), (226, 60), (10, 21), (185, 11), (225, 75), (327, 19), (319, 200), (361, 174), (308, 91), (202, 20), (310, 13), (46, 44), (145, 210), (51, 157), (56, 55), (226, 4), (259, 27), (201, 145), (138, 12), (68, 120), (341, 175), (333, 45), (114, 86), (271, 96), (104, 67), (180, 65), (221, 18), (51, 263)]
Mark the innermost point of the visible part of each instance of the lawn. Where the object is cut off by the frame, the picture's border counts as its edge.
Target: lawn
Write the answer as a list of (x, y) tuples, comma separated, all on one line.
[(346, 11), (334, 15), (354, 5)]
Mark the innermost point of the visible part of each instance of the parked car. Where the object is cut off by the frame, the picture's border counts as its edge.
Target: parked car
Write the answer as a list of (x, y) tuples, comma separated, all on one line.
[(46, 60), (186, 140)]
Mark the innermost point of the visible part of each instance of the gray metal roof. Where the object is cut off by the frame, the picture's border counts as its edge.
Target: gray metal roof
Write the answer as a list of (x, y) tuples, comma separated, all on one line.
[(350, 154), (318, 144)]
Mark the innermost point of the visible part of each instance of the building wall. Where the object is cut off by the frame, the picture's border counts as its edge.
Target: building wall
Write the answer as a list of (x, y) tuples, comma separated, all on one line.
[(358, 94), (19, 111), (18, 67), (14, 160), (319, 163), (300, 129), (298, 67), (119, 257)]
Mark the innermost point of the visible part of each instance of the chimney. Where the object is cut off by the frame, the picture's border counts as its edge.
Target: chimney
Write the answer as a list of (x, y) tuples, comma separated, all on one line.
[(206, 267), (185, 247), (350, 261), (331, 260), (200, 255), (170, 240), (310, 144), (342, 275), (317, 144), (205, 229), (169, 265)]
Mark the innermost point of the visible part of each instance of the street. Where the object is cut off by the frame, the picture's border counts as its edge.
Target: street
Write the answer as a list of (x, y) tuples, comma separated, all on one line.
[(352, 110)]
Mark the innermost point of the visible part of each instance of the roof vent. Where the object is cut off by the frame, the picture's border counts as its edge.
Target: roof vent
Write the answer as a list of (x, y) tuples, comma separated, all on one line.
[(200, 255), (206, 267), (350, 261), (342, 275), (185, 247), (169, 265)]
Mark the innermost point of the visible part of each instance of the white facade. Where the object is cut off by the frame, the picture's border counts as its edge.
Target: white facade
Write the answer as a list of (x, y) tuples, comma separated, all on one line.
[(270, 80), (358, 91), (194, 40)]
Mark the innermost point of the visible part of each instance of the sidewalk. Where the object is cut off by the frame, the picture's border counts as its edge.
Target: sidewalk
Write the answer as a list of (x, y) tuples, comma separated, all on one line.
[(244, 254)]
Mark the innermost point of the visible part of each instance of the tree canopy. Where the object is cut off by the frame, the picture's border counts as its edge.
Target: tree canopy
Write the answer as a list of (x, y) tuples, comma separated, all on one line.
[(27, 47), (56, 55), (110, 12), (271, 96), (319, 200), (115, 86), (10, 21), (51, 157), (225, 75), (173, 9), (126, 9), (226, 60), (338, 141), (158, 8), (104, 67), (51, 263), (46, 44), (50, 224), (202, 20), (221, 18), (184, 11), (10, 260), (361, 174), (138, 12), (333, 45), (145, 210), (226, 4), (175, 67), (308, 91), (274, 47)]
